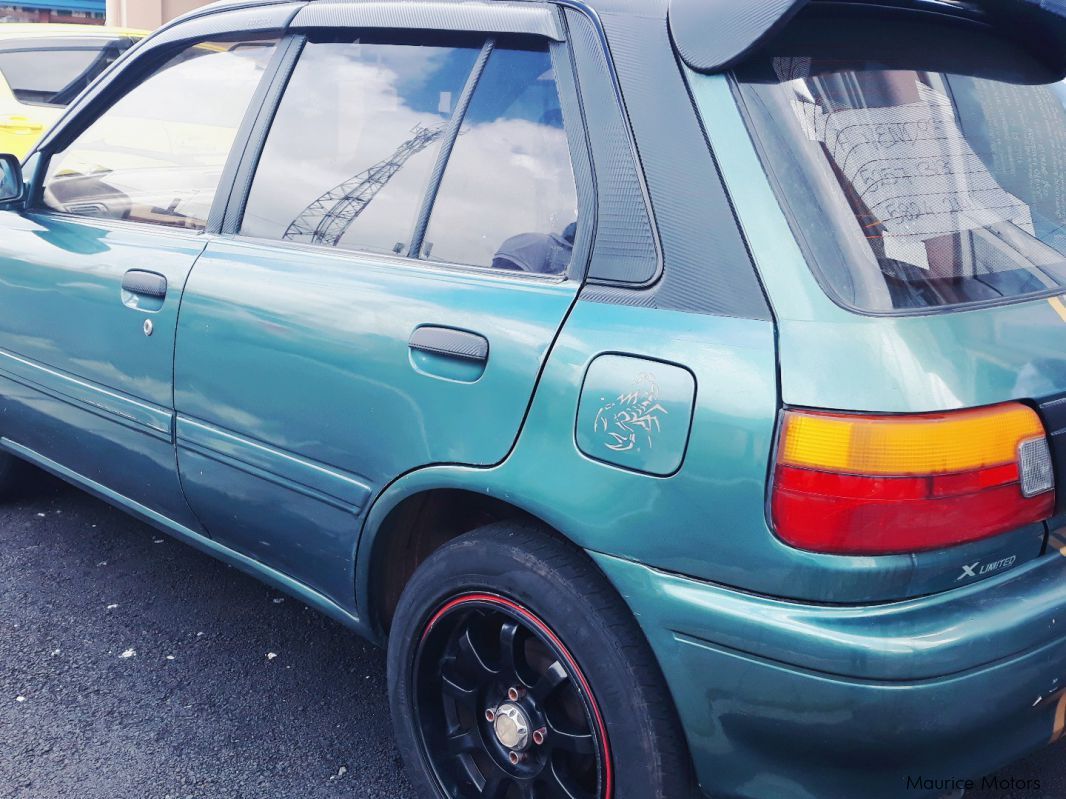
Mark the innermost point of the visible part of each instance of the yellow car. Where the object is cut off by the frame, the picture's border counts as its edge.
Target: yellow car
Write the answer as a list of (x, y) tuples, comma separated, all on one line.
[(43, 67)]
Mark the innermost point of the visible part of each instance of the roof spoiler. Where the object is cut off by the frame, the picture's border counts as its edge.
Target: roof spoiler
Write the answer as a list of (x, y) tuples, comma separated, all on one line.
[(714, 35)]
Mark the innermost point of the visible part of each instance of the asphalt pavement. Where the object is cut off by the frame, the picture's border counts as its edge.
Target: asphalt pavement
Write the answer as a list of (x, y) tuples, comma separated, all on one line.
[(134, 667)]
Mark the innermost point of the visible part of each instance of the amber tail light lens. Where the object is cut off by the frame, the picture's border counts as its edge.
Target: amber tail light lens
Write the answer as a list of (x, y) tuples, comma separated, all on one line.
[(875, 485)]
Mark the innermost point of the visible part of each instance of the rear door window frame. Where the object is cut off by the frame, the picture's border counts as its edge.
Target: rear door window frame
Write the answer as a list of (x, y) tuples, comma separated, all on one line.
[(573, 123)]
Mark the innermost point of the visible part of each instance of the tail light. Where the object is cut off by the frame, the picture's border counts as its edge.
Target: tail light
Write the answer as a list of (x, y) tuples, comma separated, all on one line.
[(862, 484)]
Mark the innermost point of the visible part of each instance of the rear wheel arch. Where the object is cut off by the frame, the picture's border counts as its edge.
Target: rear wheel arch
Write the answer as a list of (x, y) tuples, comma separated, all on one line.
[(413, 528)]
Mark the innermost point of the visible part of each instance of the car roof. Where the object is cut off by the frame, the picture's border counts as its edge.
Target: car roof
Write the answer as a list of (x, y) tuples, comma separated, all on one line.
[(713, 35), (50, 30)]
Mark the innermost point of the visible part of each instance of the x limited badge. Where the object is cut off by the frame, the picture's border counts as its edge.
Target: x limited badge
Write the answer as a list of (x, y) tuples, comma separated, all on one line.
[(968, 571), (988, 568)]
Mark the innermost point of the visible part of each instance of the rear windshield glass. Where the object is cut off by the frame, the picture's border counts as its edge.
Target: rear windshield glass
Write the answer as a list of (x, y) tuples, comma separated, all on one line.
[(923, 164), (55, 72)]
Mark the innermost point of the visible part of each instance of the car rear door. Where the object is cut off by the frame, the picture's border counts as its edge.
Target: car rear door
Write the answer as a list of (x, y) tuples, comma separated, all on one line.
[(410, 245), (91, 274)]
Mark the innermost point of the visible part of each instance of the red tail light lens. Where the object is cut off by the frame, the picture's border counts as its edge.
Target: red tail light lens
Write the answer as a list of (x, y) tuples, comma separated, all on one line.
[(875, 485)]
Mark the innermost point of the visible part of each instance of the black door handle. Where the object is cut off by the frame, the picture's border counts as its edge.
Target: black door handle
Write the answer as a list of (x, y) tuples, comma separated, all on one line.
[(146, 284), (449, 342)]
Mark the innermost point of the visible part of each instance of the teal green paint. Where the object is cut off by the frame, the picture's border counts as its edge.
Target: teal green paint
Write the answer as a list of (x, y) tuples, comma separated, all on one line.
[(100, 400), (791, 700), (306, 355), (83, 385), (443, 367), (610, 509), (636, 413), (63, 302), (920, 639), (707, 520), (284, 468), (139, 302)]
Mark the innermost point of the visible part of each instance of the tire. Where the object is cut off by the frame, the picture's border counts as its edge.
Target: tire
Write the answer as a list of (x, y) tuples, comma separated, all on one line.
[(609, 728), (13, 476)]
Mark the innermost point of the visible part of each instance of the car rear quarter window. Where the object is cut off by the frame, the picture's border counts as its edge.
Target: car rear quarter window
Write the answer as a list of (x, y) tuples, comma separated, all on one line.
[(157, 154), (54, 71), (508, 198), (922, 163), (349, 156)]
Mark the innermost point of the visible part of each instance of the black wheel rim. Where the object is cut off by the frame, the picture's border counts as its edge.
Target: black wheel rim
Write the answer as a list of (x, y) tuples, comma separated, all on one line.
[(502, 709)]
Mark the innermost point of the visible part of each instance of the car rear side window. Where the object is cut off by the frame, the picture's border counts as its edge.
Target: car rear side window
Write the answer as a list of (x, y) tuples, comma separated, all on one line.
[(923, 163), (157, 154), (508, 198), (53, 72), (350, 153)]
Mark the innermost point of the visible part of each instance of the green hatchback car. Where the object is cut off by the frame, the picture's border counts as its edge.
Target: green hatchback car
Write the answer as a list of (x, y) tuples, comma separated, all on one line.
[(677, 387)]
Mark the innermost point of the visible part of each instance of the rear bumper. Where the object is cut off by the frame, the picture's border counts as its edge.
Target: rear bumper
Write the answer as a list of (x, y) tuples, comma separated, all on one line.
[(783, 700)]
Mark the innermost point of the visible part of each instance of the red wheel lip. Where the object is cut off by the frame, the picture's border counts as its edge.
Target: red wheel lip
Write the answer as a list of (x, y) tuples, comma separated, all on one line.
[(492, 599)]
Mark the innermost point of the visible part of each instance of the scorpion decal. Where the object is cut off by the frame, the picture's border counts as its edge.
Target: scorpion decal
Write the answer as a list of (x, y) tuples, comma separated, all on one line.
[(631, 416)]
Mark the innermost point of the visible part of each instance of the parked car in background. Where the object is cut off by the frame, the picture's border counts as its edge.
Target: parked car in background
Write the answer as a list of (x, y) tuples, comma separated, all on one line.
[(43, 67), (678, 390)]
